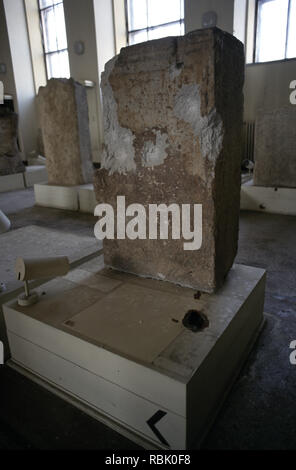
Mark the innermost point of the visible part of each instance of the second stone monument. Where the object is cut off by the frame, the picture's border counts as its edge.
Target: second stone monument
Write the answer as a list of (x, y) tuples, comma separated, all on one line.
[(63, 111)]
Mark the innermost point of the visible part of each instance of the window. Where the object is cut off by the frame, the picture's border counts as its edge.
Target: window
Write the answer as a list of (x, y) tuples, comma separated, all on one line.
[(54, 38), (154, 19), (276, 30)]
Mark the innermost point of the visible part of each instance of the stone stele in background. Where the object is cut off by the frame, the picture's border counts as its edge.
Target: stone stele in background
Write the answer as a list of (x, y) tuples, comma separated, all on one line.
[(275, 155), (64, 122), (173, 134), (10, 156)]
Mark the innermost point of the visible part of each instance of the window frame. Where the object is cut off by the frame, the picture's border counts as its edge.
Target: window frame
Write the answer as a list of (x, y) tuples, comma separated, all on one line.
[(256, 34), (181, 21), (45, 54)]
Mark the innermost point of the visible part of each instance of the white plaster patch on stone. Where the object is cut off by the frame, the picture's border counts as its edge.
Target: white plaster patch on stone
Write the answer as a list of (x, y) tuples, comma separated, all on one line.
[(160, 276), (209, 129), (174, 71), (211, 137), (187, 106), (119, 154), (154, 154)]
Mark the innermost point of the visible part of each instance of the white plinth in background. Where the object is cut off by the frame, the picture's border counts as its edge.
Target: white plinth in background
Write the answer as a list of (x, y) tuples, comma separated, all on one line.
[(270, 200)]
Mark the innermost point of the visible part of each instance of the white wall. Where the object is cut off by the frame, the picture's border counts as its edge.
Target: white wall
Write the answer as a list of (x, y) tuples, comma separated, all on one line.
[(267, 86), (239, 20), (36, 45), (23, 73), (105, 35), (5, 56), (194, 10), (80, 26), (119, 24), (104, 31), (91, 21)]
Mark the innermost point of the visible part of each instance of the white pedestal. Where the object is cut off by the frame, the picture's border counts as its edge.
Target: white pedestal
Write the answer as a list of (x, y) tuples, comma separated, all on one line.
[(58, 197), (87, 198), (12, 182), (73, 198), (35, 174), (123, 355), (270, 200)]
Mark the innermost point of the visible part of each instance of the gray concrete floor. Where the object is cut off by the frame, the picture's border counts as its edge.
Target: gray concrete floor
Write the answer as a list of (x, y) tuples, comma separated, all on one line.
[(260, 411), (40, 232), (20, 209)]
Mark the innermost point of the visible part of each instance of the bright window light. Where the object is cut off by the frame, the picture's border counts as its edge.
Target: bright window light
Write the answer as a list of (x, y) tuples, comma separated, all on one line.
[(291, 46), (154, 19), (54, 38), (276, 30)]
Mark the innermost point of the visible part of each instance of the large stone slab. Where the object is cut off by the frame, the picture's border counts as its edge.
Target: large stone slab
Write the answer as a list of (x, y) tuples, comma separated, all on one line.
[(10, 156), (64, 124), (173, 127), (275, 162)]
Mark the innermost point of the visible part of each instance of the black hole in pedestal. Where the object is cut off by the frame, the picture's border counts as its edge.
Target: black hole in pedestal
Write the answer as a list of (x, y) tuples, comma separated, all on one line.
[(195, 321)]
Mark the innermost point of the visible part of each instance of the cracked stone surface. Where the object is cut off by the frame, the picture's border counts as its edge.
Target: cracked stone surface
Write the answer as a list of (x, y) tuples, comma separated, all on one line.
[(63, 111), (275, 162), (173, 126)]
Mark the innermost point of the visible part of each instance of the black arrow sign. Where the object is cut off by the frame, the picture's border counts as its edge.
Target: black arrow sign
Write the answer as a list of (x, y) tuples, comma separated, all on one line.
[(153, 421)]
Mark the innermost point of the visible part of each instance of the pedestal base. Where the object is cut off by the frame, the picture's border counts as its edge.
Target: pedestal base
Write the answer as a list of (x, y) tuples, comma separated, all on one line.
[(35, 174), (270, 200), (57, 197), (12, 182), (74, 198), (122, 352), (87, 198)]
